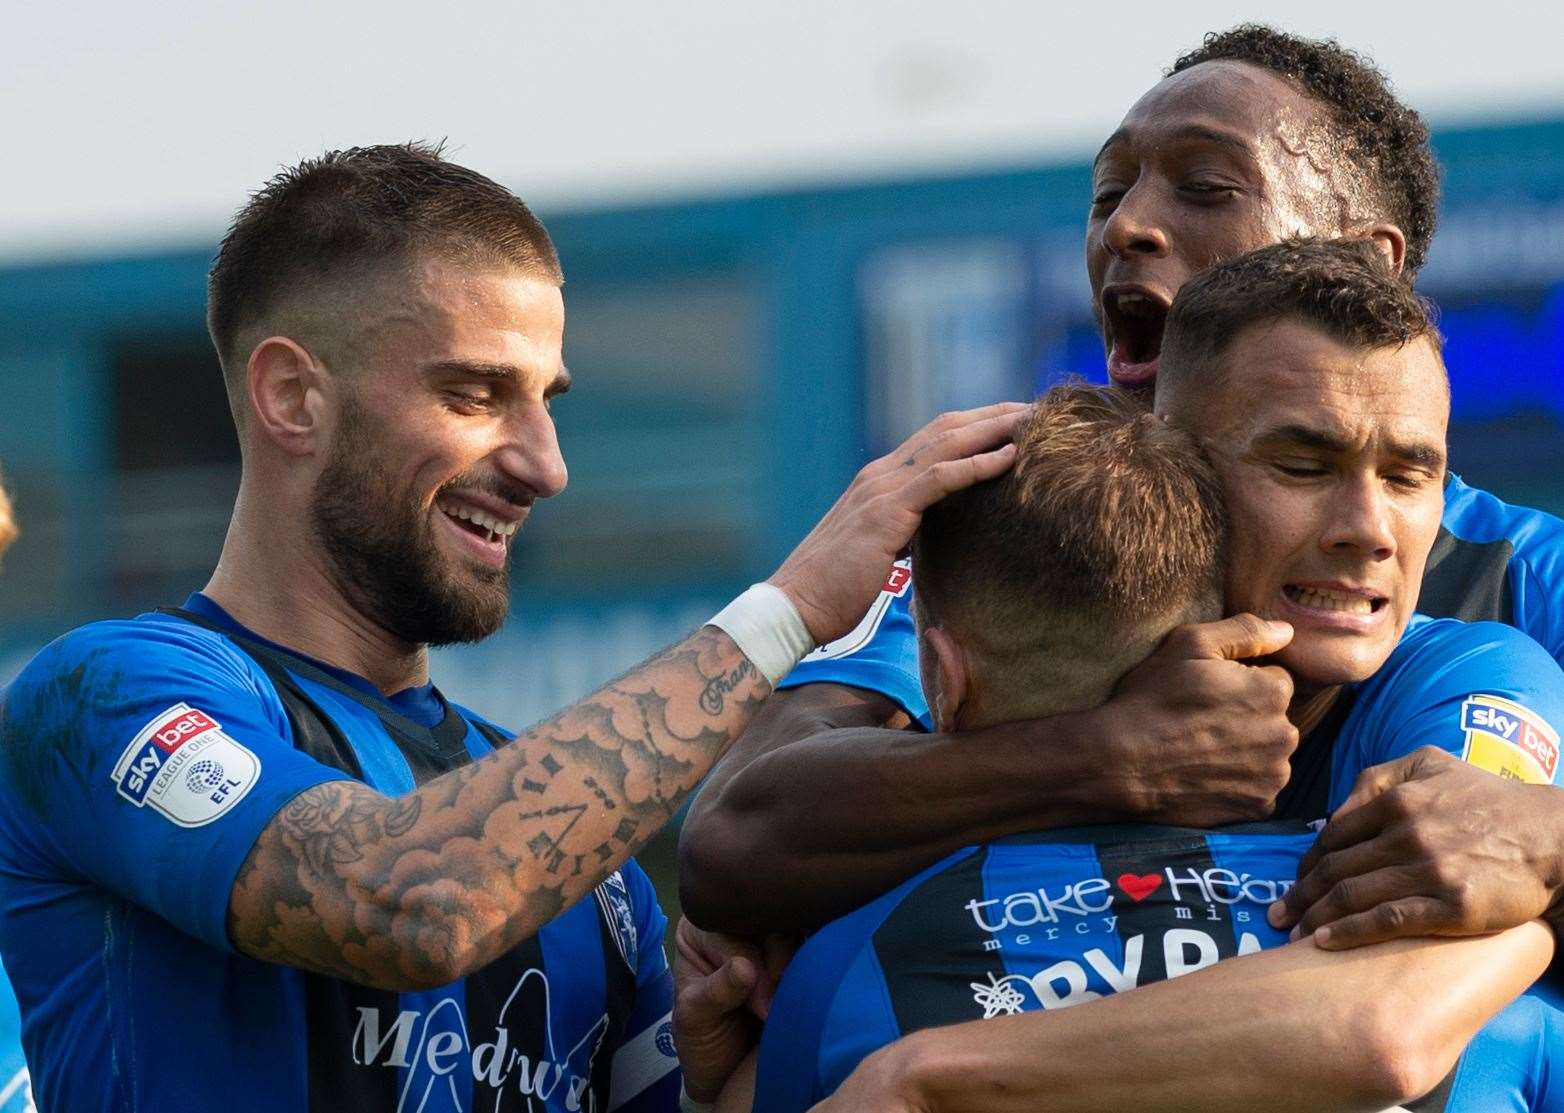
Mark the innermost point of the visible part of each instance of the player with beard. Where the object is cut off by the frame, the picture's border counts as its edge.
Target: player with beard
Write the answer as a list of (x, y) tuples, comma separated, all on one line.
[(1253, 137), (250, 857)]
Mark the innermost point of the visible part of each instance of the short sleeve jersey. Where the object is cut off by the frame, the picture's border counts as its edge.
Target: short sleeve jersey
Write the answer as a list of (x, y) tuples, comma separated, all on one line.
[(1049, 921), (139, 761), (1491, 562), (1060, 918)]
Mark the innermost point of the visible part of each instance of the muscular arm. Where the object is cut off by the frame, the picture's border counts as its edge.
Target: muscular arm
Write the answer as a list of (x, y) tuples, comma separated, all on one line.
[(1294, 1029), (817, 810), (417, 890)]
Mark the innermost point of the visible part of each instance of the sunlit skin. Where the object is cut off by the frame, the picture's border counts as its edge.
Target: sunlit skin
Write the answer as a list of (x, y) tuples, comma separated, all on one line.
[(1212, 162), (1332, 459), (451, 369), (457, 382)]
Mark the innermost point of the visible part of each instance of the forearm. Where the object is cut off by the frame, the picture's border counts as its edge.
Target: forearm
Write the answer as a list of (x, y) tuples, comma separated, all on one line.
[(1294, 1029), (419, 889), (808, 831)]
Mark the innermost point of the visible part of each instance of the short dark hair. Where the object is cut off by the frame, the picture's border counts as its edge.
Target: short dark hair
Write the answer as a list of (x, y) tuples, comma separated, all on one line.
[(1344, 287), (1377, 131), (1109, 530), (336, 216)]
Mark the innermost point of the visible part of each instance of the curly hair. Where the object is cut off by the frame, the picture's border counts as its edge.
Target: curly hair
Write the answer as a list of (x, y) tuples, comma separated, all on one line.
[(1376, 130)]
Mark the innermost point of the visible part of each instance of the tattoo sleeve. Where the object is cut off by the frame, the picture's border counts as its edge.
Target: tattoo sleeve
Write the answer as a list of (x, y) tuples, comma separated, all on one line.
[(418, 890)]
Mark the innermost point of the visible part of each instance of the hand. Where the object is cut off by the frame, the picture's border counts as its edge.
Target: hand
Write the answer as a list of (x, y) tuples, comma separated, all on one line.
[(722, 989), (836, 572), (1196, 737), (882, 1083), (1428, 845)]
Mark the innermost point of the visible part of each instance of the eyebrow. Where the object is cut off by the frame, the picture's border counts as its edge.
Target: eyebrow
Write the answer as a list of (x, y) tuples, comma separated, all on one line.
[(475, 369), (1420, 454), (1198, 133)]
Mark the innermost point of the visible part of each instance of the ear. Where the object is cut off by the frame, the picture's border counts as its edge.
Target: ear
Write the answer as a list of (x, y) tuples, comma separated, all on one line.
[(1391, 241), (948, 677), (287, 392)]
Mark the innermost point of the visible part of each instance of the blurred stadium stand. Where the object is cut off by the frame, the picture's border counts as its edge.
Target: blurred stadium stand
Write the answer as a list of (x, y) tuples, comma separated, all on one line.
[(736, 360)]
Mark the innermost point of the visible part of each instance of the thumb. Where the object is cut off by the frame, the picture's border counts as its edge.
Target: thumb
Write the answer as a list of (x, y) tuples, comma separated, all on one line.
[(729, 986), (1237, 638)]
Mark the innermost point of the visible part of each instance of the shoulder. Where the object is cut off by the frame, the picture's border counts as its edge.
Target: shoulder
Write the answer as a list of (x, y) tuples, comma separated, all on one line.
[(96, 686), (1442, 658), (1472, 514), (1449, 647), (1482, 690), (95, 660)]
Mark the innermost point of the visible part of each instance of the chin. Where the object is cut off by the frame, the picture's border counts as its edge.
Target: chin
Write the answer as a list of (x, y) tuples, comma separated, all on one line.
[(1322, 667)]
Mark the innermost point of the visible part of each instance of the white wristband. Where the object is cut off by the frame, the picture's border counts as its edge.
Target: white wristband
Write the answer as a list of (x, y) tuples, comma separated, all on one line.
[(767, 628), (688, 1104)]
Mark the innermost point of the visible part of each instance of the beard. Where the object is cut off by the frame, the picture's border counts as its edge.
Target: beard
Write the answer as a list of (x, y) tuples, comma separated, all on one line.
[(381, 548)]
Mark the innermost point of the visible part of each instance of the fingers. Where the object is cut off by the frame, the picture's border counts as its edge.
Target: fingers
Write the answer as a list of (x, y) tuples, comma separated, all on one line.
[(776, 952), (723, 991), (1237, 638), (1346, 829), (1317, 875), (1394, 920), (1349, 896), (941, 479), (1374, 782)]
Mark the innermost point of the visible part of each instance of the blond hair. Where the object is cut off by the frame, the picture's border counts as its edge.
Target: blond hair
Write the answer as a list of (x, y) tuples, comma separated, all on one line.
[(1061, 575)]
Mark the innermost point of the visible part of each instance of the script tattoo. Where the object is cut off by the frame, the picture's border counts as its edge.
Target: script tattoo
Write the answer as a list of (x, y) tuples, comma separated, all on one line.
[(415, 891), (717, 690)]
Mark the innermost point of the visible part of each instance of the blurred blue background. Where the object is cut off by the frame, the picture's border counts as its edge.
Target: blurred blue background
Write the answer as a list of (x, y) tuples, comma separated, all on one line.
[(736, 360)]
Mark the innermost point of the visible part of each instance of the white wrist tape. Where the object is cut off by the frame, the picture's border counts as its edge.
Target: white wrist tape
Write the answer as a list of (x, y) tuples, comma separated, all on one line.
[(767, 628), (688, 1104)]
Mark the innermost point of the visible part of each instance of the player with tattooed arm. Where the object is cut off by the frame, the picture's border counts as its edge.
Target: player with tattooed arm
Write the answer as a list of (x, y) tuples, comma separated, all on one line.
[(250, 857)]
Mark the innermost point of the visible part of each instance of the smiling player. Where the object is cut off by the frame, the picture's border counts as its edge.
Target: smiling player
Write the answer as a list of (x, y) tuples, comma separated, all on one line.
[(253, 860)]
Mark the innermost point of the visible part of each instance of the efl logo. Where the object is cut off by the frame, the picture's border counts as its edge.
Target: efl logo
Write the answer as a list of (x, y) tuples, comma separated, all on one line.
[(1505, 738), (184, 766)]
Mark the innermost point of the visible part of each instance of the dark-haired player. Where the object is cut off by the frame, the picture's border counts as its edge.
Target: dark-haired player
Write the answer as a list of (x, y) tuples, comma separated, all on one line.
[(1256, 136), (1039, 590), (251, 859)]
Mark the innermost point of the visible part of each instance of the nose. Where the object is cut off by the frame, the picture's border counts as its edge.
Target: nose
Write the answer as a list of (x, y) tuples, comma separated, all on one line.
[(531, 455), (1134, 227), (1361, 520)]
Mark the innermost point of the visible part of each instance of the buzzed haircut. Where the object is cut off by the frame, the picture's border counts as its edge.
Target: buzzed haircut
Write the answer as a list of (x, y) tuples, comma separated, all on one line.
[(1377, 131), (1062, 574), (1345, 288), (336, 218)]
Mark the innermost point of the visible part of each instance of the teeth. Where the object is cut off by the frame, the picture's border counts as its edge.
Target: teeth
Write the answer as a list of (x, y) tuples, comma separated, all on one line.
[(1325, 600), (495, 527)]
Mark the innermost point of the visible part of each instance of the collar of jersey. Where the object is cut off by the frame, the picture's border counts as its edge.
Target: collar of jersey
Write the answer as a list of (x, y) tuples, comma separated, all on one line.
[(421, 704)]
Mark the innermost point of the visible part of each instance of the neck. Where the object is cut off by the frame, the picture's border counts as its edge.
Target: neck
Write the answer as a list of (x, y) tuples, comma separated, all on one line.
[(284, 589), (1309, 707)]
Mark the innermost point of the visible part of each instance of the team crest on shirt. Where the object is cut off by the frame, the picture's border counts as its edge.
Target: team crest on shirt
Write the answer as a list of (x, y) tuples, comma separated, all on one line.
[(1505, 738), (183, 765), (613, 899)]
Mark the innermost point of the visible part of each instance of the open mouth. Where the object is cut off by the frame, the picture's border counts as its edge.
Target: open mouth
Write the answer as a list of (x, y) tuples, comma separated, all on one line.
[(483, 525), (1331, 599), (1135, 318)]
